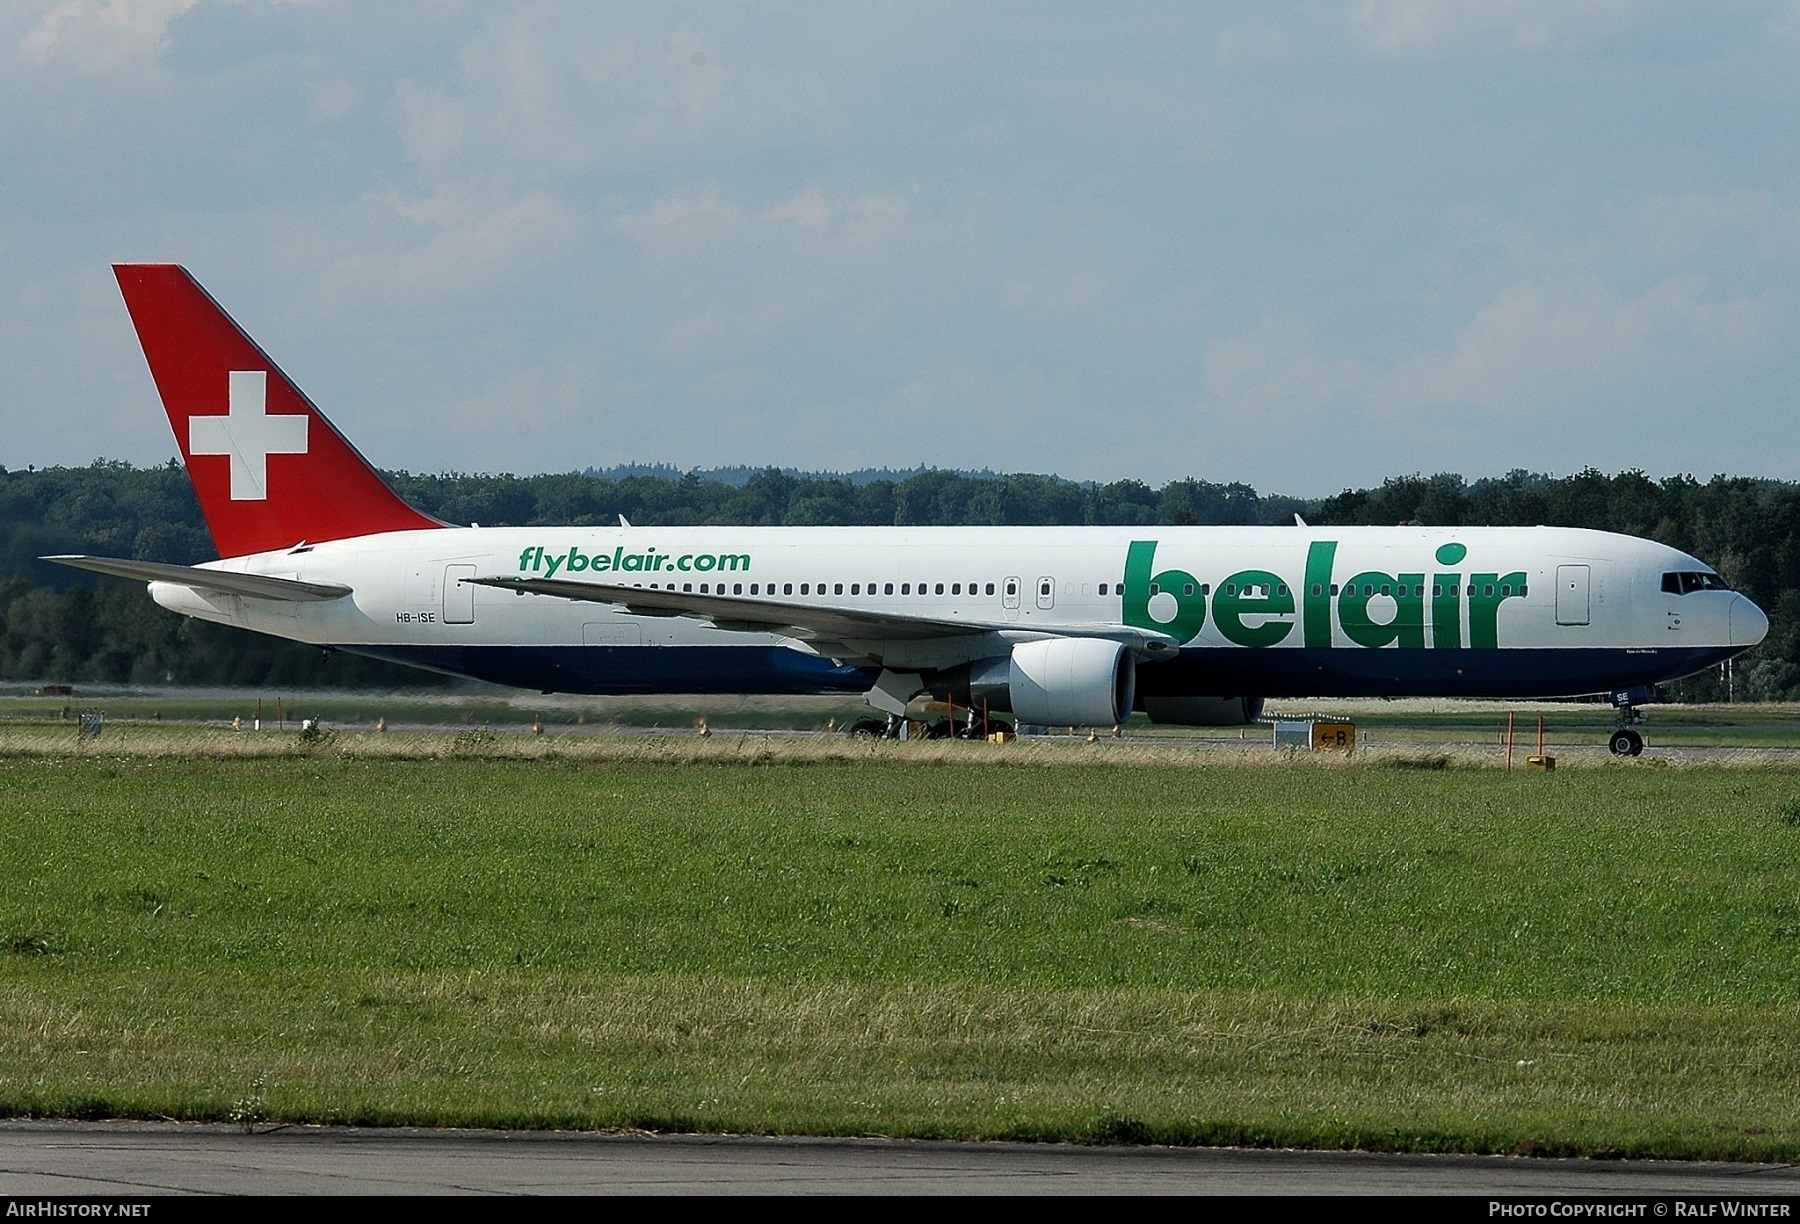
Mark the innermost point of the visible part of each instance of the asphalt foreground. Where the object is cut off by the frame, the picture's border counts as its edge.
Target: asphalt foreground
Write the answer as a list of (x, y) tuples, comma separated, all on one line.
[(128, 1163)]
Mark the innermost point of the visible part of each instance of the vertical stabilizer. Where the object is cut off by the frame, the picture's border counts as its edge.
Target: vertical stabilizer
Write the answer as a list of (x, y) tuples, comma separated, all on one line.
[(268, 468)]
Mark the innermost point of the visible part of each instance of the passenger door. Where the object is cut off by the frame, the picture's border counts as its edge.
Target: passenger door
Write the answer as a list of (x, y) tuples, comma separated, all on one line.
[(459, 596), (1571, 594)]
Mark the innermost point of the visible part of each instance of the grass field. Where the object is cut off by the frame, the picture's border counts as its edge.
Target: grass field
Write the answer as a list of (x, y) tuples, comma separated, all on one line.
[(912, 940)]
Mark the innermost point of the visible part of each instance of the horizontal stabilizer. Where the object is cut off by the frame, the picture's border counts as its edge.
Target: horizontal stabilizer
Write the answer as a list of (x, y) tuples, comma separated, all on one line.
[(256, 586)]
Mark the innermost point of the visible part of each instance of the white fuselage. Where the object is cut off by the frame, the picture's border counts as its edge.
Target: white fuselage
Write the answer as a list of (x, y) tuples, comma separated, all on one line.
[(1479, 611)]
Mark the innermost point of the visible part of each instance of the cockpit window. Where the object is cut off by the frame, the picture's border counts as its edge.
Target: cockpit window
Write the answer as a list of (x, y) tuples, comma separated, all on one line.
[(1687, 582)]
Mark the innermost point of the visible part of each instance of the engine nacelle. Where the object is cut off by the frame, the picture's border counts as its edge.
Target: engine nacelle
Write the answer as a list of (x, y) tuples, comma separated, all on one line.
[(1062, 682), (1203, 711)]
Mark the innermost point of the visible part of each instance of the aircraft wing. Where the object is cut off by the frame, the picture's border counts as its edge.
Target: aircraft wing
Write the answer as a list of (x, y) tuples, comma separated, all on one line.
[(812, 622), (256, 586)]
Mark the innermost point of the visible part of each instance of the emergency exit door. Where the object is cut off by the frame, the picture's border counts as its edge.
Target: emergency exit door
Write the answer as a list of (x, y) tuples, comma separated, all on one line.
[(1571, 594)]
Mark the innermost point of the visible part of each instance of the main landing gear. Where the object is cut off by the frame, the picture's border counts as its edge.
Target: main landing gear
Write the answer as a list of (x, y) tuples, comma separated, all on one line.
[(896, 728), (1627, 741), (875, 728)]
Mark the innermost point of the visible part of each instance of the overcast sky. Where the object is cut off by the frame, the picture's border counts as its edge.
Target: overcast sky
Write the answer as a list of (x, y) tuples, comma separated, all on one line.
[(1303, 246)]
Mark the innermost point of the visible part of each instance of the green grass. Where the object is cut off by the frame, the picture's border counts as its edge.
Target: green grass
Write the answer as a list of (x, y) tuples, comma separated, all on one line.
[(1592, 961)]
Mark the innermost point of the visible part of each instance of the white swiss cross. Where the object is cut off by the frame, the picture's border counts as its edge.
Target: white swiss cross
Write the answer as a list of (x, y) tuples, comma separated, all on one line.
[(248, 434)]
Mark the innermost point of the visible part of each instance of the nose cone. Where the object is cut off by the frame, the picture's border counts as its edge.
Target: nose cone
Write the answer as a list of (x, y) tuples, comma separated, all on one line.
[(1748, 625)]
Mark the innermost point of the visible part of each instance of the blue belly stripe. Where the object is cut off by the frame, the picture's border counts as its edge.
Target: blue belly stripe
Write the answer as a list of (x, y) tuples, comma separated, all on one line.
[(1497, 674), (1197, 672), (621, 670)]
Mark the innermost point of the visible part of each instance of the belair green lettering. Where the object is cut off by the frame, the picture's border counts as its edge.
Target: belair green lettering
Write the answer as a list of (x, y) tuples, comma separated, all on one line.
[(535, 560), (1373, 609)]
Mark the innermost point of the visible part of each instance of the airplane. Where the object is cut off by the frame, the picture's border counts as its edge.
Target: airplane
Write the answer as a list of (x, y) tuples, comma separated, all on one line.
[(1057, 626)]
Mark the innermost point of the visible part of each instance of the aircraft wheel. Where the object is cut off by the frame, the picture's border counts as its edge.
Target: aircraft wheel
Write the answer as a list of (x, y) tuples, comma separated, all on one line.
[(868, 728), (1626, 742)]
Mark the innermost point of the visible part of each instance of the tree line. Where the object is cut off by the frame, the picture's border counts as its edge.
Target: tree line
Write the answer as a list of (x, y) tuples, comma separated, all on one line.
[(66, 625)]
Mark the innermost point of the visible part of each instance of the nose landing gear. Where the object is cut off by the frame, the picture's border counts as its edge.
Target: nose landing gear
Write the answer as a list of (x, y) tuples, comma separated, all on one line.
[(1627, 741)]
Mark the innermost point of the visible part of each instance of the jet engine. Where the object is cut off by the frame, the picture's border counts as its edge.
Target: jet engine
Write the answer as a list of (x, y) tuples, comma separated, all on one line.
[(1061, 682)]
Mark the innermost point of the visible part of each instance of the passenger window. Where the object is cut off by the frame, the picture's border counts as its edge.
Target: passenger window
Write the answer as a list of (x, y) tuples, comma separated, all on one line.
[(1187, 589), (1103, 588), (906, 588), (1012, 588), (956, 588), (1334, 588), (686, 586), (1437, 588), (888, 591), (990, 588), (1155, 589), (1488, 590), (838, 589), (1231, 588), (803, 588), (855, 588), (1505, 589), (940, 588)]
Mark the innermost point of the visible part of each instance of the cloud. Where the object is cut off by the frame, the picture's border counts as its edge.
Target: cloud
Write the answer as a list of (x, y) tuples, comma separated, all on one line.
[(687, 223), (1723, 230), (331, 101), (1401, 28), (411, 251), (1274, 373), (532, 401), (1541, 347), (100, 36), (546, 91)]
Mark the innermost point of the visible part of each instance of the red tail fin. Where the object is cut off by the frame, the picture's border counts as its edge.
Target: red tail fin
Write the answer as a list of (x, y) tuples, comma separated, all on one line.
[(269, 469)]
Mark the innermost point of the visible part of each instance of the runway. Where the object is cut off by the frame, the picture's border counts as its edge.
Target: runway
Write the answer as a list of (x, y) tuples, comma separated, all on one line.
[(150, 1159)]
